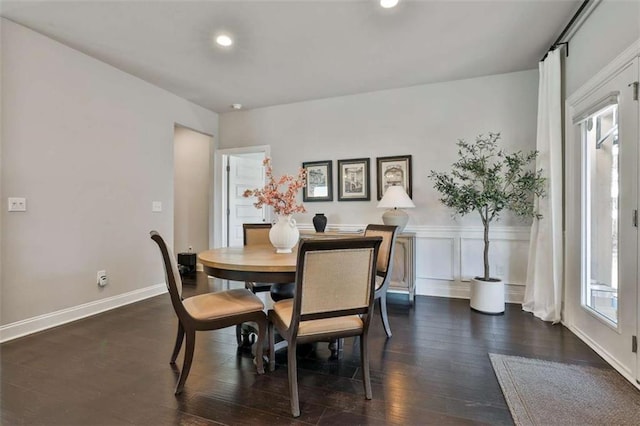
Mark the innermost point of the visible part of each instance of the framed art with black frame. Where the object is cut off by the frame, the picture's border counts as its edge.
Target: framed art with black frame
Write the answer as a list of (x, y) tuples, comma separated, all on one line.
[(353, 180), (393, 171), (319, 185)]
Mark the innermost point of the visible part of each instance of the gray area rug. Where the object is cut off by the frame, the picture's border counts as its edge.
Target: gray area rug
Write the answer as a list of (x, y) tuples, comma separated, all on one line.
[(550, 393)]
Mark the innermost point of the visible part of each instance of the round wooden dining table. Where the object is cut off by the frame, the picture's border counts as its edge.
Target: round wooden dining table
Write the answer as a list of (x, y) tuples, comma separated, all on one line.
[(257, 263)]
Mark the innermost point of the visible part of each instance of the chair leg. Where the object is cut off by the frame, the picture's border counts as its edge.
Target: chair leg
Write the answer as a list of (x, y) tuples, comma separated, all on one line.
[(239, 334), (272, 351), (178, 344), (262, 331), (188, 357), (383, 314), (336, 346), (364, 356), (293, 379)]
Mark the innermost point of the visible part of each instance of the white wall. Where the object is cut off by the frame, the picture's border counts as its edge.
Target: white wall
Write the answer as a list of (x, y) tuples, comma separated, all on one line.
[(424, 121), (192, 178), (611, 28), (90, 147)]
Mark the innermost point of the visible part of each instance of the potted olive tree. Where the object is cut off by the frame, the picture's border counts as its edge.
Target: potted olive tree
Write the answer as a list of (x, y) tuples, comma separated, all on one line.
[(487, 180)]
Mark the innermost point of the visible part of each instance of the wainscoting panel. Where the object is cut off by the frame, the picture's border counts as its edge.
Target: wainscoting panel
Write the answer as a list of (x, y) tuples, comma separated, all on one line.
[(435, 258), (508, 252), (507, 259), (471, 258)]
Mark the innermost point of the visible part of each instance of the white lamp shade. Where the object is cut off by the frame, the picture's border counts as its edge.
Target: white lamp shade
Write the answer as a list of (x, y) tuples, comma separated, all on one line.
[(395, 197)]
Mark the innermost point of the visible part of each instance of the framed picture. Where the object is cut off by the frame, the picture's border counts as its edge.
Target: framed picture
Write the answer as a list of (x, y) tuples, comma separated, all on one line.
[(319, 185), (353, 180), (394, 171)]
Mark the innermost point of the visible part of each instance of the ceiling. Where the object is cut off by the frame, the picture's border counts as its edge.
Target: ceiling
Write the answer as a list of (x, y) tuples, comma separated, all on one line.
[(290, 51)]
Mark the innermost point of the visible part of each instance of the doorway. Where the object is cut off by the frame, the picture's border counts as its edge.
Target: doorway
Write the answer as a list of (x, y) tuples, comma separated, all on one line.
[(602, 159), (238, 169), (191, 178)]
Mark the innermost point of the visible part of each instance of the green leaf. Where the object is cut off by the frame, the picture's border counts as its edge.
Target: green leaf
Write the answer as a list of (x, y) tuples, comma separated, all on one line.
[(488, 180)]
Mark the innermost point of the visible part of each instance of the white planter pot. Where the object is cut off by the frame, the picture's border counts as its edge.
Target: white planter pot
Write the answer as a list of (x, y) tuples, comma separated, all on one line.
[(284, 234), (487, 296)]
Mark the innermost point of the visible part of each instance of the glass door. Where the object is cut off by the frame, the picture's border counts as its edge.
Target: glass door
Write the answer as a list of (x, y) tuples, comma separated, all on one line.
[(600, 144), (601, 299)]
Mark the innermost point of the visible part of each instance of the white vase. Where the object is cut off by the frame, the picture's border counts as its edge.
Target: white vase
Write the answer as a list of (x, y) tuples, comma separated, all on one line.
[(487, 297), (284, 234)]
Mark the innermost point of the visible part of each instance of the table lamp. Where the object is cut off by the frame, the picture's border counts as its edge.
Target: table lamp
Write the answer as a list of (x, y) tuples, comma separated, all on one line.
[(394, 199)]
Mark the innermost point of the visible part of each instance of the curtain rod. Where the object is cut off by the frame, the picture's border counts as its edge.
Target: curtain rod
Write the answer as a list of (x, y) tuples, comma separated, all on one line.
[(558, 41)]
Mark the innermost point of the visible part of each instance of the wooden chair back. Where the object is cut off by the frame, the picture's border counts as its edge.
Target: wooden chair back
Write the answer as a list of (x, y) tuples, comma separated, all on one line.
[(335, 277), (172, 276), (256, 233), (385, 255)]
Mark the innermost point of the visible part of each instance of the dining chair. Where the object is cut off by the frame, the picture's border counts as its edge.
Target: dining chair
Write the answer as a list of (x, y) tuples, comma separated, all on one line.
[(256, 234), (334, 295), (209, 311), (384, 266)]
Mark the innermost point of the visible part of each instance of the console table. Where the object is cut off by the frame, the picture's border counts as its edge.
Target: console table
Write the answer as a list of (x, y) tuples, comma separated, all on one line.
[(403, 276)]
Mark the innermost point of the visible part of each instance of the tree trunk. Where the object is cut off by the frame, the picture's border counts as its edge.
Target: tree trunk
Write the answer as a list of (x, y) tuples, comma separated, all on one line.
[(486, 251)]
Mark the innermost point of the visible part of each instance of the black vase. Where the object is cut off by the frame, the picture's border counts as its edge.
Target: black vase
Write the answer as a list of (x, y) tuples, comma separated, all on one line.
[(319, 222)]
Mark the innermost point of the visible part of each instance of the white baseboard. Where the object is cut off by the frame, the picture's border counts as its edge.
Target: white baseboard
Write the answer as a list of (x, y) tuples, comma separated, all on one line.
[(442, 288), (514, 293), (460, 289), (54, 319), (611, 360)]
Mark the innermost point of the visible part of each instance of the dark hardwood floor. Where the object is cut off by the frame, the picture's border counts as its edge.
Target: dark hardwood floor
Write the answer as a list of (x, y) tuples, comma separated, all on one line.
[(113, 369)]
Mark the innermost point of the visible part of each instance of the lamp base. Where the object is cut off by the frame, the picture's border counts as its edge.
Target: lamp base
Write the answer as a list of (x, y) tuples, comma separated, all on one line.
[(396, 217)]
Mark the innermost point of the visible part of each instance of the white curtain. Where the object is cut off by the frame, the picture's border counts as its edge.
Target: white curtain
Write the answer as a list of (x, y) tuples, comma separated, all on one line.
[(543, 294)]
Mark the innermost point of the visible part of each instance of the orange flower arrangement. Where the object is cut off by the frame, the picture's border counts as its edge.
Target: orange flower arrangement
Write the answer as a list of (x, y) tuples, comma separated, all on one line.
[(283, 202)]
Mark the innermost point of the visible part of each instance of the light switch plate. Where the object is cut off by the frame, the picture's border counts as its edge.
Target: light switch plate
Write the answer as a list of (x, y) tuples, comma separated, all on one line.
[(17, 204), (156, 206)]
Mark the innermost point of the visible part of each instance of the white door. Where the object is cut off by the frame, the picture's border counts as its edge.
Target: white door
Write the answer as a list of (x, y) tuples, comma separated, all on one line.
[(245, 171), (602, 233)]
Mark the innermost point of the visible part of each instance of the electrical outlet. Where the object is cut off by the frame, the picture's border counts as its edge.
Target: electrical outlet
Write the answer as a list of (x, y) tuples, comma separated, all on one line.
[(17, 204), (102, 278), (500, 270)]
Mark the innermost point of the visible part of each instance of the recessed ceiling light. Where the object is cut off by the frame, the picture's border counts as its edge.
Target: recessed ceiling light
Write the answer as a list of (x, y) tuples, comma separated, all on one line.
[(387, 4), (236, 106), (224, 40)]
